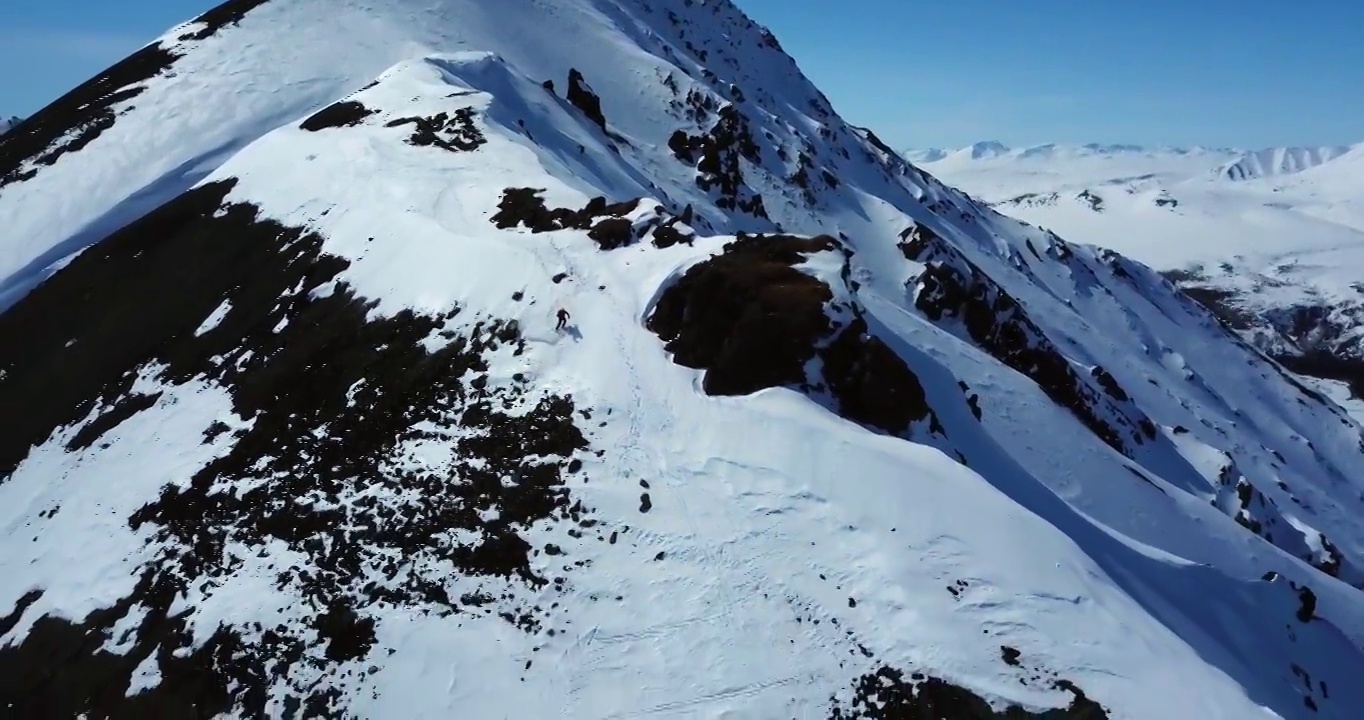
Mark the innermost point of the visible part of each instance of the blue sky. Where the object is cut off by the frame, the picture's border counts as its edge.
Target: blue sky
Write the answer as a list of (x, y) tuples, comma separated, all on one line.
[(1246, 73)]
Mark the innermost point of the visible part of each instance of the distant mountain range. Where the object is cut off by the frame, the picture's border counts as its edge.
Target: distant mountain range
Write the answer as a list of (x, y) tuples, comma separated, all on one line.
[(1227, 163)]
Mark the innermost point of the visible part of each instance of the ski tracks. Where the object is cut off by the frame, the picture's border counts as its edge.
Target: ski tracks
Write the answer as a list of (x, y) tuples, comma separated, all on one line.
[(693, 703), (728, 590)]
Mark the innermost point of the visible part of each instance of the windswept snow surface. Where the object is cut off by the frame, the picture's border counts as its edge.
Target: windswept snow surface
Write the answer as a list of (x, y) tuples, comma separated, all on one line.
[(305, 437)]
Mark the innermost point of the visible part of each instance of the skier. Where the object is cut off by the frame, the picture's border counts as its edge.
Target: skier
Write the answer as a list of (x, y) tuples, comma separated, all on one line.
[(563, 320)]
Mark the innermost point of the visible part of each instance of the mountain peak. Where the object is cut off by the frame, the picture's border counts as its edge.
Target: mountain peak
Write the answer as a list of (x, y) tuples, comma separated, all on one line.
[(986, 149), (576, 359)]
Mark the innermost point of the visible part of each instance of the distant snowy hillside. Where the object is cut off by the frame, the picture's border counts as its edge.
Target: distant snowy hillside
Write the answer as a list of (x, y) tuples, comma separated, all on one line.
[(1273, 240), (6, 125), (290, 429), (1279, 161)]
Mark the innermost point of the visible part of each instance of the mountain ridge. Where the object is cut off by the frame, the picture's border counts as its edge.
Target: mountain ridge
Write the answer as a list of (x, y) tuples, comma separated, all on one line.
[(361, 474), (1267, 240)]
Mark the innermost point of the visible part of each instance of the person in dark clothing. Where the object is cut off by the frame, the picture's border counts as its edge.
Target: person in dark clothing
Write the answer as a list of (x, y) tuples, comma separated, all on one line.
[(563, 320)]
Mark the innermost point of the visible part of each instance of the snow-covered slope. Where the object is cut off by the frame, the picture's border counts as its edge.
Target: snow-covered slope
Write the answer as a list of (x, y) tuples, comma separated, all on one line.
[(1276, 245), (1279, 161), (1008, 172), (290, 429), (6, 125)]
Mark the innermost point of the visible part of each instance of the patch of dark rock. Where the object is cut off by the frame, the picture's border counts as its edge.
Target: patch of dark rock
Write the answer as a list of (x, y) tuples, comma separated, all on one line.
[(126, 407), (48, 384), (523, 207), (581, 96), (973, 402), (1010, 655), (1334, 558), (1307, 604), (890, 694), (747, 316), (871, 384), (8, 622), (347, 113), (559, 278), (214, 431), (334, 395), (1095, 202), (348, 636), (667, 235), (1329, 366), (878, 143), (952, 288), (454, 131), (228, 13), (752, 321), (61, 669), (645, 503), (716, 154), (612, 233), (917, 240), (1222, 304)]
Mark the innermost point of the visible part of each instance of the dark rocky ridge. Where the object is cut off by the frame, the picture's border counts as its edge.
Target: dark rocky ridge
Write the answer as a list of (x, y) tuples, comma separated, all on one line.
[(334, 396), (581, 96), (77, 118), (890, 694), (953, 289), (604, 222), (453, 131), (1313, 340), (347, 113), (716, 154), (752, 321)]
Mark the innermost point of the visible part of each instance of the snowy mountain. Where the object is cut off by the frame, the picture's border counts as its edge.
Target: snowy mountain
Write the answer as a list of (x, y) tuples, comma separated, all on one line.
[(1279, 161), (1273, 240), (290, 428), (6, 125)]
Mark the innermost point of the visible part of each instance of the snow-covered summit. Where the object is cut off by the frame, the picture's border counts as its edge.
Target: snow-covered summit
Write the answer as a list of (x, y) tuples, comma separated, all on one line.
[(5, 125), (1279, 161), (290, 427)]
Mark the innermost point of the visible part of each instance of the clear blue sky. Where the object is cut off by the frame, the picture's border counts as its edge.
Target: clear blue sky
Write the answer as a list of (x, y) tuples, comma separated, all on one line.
[(1247, 73)]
